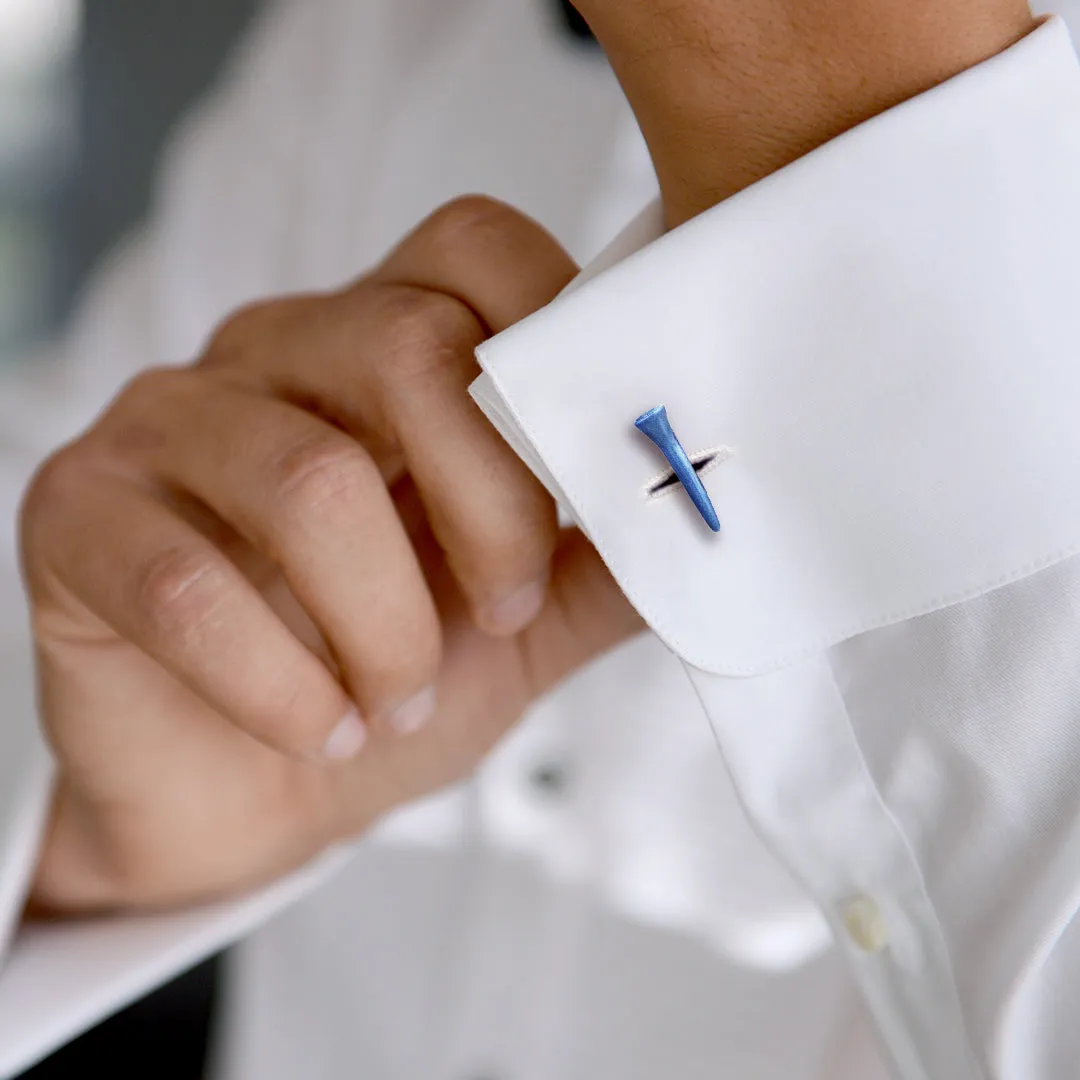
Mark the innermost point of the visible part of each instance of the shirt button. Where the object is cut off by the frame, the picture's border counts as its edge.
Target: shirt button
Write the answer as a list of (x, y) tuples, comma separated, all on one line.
[(865, 924), (550, 778)]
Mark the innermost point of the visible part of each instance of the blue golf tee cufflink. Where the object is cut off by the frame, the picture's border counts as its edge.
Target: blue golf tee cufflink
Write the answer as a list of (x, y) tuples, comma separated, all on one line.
[(656, 426)]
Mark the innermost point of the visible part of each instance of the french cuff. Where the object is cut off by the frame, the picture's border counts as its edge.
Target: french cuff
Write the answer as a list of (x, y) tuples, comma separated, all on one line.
[(880, 343)]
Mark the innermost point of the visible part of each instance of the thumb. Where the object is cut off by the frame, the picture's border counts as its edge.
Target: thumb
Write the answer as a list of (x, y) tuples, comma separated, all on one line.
[(585, 615)]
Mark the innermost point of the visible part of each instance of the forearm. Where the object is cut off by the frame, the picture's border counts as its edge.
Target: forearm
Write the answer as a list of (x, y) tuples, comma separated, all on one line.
[(727, 92)]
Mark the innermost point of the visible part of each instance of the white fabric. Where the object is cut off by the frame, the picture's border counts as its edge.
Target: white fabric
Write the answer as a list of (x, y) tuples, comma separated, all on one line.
[(938, 504), (885, 336), (884, 333)]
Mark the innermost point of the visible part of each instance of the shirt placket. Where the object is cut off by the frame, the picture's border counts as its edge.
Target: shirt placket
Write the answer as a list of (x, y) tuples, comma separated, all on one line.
[(788, 742)]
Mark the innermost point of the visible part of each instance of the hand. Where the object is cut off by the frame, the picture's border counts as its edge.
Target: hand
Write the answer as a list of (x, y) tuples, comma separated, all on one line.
[(302, 581), (728, 91)]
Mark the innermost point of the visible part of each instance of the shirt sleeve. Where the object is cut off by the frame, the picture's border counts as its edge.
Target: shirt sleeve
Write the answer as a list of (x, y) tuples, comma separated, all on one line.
[(871, 354)]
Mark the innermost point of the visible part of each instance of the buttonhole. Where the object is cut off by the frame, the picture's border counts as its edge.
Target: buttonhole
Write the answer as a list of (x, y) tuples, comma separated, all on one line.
[(703, 462)]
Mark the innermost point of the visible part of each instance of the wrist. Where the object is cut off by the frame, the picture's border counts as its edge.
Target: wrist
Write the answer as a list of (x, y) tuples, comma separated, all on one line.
[(726, 94)]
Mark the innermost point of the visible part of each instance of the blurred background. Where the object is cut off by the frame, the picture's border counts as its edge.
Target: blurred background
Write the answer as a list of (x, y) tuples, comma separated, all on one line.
[(89, 90)]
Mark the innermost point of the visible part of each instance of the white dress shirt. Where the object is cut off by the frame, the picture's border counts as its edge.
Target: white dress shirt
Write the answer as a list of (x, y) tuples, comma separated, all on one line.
[(824, 823)]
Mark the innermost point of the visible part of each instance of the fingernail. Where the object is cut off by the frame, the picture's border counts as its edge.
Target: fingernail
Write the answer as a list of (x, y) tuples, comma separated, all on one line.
[(514, 612), (347, 739), (416, 713)]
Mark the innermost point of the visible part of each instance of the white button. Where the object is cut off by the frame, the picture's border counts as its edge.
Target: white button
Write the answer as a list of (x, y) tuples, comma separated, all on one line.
[(865, 924)]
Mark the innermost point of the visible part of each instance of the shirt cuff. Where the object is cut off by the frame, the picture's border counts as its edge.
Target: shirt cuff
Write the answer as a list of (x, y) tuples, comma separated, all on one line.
[(879, 342)]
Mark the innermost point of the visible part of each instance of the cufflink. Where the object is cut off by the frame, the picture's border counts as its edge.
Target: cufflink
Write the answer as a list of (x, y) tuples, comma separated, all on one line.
[(655, 425)]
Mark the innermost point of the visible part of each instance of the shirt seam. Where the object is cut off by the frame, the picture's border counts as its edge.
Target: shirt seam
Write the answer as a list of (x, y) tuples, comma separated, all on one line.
[(917, 872)]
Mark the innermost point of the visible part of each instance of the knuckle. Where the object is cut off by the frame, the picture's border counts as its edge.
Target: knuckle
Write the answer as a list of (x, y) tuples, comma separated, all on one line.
[(40, 519), (56, 479), (151, 383), (461, 220), (319, 474), (139, 423), (239, 330), (421, 331), (147, 389), (243, 335), (177, 590)]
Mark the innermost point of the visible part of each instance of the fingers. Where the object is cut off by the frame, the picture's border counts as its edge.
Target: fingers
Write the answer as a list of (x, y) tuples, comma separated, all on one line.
[(495, 523), (391, 359), (312, 500), (162, 586), (288, 431), (393, 364)]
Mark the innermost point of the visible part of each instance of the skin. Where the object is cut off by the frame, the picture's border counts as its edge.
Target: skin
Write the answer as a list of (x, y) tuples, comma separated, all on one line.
[(302, 581), (729, 91)]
